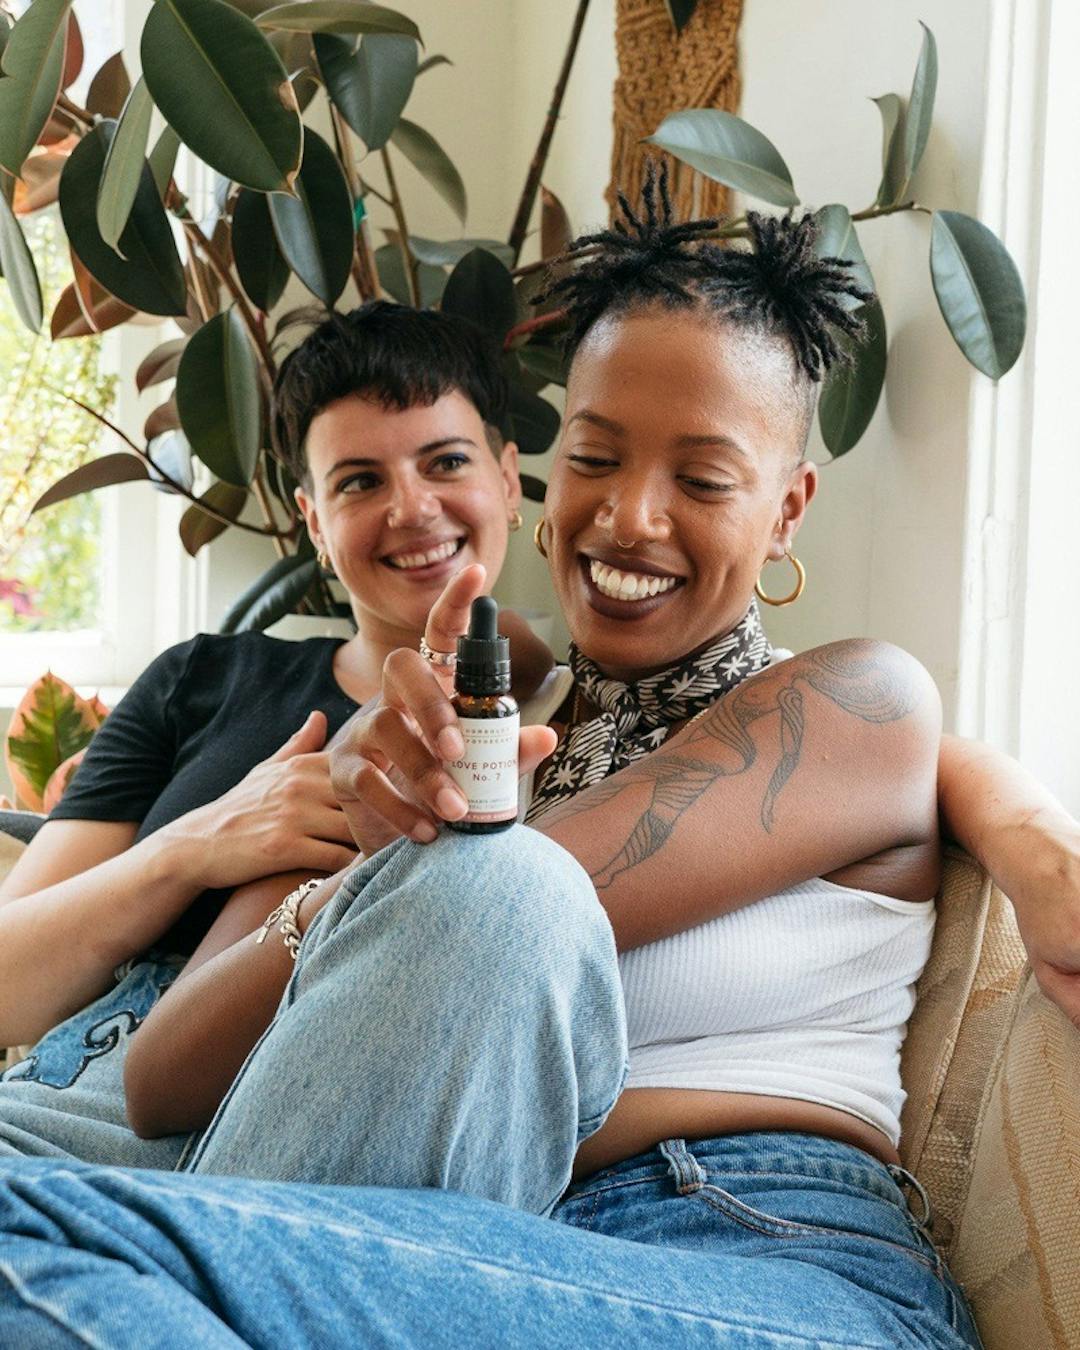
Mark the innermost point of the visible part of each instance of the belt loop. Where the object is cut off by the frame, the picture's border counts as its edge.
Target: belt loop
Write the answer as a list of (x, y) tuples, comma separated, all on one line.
[(903, 1177), (688, 1173)]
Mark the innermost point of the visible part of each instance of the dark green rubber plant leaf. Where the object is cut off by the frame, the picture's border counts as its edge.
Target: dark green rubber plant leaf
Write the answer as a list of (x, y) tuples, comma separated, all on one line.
[(837, 239), (221, 86), (197, 528), (851, 393), (481, 289), (124, 161), (534, 489), (369, 86), (441, 253), (338, 16), (217, 395), (263, 271), (681, 12), (315, 227), (149, 276), (428, 157), (534, 422), (979, 292), (32, 66), (728, 150), (391, 268), (919, 113), (431, 62), (17, 267), (272, 596), (891, 108), (163, 159), (545, 359)]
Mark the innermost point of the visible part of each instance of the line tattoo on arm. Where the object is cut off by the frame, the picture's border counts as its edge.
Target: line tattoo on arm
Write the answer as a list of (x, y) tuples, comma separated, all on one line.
[(860, 677)]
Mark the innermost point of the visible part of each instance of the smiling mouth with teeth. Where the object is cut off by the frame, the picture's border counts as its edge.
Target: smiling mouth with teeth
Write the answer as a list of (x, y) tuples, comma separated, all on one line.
[(618, 585), (405, 562)]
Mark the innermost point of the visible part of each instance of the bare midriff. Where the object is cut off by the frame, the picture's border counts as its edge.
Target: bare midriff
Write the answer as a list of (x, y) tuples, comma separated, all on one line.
[(642, 1117)]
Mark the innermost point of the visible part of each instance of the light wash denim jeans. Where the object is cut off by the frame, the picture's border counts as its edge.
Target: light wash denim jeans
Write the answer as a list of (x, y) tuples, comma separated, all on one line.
[(455, 1020), (455, 1007), (765, 1241)]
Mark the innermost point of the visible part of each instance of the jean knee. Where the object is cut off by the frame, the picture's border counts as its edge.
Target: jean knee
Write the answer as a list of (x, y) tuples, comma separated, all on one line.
[(522, 883)]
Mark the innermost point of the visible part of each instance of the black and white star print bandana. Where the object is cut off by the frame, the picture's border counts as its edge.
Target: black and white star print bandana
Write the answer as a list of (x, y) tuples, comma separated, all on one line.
[(636, 718)]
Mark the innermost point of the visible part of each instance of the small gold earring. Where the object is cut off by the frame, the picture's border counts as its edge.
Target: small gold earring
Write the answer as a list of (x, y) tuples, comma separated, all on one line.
[(323, 561), (538, 537), (800, 583), (516, 521)]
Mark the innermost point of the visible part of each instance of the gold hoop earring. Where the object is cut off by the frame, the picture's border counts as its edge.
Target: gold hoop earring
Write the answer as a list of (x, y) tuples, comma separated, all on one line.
[(516, 521), (323, 561), (538, 537), (800, 583)]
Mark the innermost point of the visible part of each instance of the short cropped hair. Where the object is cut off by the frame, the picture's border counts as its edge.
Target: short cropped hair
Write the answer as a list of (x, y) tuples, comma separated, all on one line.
[(779, 286), (396, 355)]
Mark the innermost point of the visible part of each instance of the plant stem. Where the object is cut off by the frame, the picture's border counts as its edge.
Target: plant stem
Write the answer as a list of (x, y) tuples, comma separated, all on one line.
[(536, 169), (411, 269), (74, 112), (263, 498), (370, 190), (533, 325), (363, 264), (165, 478), (872, 212)]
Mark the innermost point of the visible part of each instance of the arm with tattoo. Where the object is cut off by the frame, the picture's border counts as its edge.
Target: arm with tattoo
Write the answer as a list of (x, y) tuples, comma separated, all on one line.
[(815, 763)]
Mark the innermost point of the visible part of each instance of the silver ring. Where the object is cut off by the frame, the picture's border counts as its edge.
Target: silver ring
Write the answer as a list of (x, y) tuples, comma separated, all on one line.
[(446, 659)]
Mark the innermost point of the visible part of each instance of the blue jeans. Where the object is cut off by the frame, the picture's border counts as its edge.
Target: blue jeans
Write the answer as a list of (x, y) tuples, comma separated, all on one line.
[(765, 1240), (455, 1021), (454, 1008)]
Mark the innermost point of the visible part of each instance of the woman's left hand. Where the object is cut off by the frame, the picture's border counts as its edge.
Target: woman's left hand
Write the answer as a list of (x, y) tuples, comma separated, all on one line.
[(1047, 903), (1030, 845)]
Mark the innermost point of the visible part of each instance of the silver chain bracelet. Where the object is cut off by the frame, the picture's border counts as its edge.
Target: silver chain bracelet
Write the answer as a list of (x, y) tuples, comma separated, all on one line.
[(285, 916)]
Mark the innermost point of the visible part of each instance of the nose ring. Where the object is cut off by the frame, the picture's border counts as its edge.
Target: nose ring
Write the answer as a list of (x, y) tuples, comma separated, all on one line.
[(619, 543)]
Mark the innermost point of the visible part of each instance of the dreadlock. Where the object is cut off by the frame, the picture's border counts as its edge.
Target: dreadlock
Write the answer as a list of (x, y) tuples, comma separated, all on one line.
[(778, 286)]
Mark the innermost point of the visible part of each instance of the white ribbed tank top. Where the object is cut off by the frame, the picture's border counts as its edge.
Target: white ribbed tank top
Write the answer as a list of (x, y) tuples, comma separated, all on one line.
[(804, 994)]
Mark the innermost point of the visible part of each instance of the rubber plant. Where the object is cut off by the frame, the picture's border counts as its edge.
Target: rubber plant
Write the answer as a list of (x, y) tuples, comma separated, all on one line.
[(238, 82)]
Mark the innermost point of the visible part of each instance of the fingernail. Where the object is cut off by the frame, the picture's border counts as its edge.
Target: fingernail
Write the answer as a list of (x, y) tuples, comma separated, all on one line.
[(425, 832), (449, 743), (451, 804)]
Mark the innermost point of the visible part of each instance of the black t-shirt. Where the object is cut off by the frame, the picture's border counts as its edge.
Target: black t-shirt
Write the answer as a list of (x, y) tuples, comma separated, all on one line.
[(191, 726)]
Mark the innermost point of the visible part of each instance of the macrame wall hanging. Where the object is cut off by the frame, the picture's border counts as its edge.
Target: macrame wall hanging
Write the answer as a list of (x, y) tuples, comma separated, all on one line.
[(660, 72)]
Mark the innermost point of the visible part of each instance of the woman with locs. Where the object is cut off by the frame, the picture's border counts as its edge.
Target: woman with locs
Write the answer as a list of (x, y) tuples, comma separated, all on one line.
[(455, 1018)]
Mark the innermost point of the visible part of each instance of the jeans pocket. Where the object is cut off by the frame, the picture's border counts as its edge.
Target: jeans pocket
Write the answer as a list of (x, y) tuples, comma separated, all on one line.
[(775, 1225)]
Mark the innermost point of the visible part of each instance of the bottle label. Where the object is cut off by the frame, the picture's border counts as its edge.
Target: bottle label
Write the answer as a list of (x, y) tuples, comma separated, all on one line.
[(487, 772)]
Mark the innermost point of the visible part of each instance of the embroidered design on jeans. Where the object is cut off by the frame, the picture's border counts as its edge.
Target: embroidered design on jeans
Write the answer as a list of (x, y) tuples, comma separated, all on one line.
[(61, 1056)]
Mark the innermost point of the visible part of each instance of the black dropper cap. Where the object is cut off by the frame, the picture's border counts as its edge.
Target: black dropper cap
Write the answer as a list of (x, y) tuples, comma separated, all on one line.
[(483, 657)]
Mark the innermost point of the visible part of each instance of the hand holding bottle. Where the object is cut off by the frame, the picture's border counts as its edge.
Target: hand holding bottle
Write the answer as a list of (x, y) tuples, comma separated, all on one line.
[(389, 773)]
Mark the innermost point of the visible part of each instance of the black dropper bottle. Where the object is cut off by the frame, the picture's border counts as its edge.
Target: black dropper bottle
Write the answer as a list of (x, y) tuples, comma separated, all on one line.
[(489, 721)]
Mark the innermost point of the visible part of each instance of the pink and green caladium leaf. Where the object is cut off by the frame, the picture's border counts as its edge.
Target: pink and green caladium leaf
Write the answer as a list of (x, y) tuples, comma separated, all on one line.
[(51, 724)]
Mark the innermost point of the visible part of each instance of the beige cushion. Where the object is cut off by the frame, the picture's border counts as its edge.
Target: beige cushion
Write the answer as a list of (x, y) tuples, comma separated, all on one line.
[(992, 1122), (1017, 1251), (963, 1005)]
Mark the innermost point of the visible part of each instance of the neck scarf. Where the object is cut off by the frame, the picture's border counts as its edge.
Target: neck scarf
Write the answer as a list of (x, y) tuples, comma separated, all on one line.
[(635, 719)]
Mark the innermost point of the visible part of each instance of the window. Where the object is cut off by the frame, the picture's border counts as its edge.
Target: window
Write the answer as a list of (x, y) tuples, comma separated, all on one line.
[(85, 589)]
